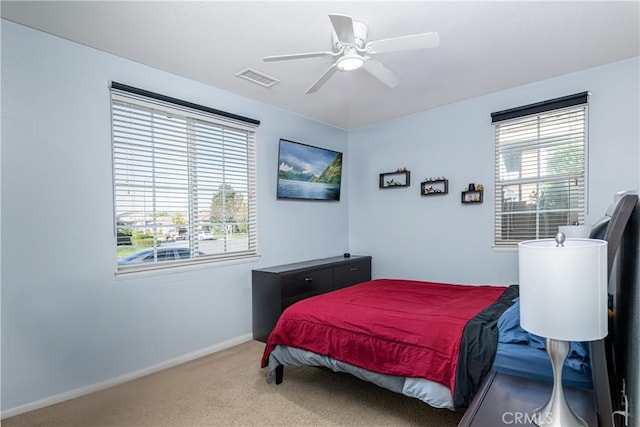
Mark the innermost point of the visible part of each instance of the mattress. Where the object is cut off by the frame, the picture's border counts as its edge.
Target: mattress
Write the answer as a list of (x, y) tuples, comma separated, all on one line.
[(431, 392)]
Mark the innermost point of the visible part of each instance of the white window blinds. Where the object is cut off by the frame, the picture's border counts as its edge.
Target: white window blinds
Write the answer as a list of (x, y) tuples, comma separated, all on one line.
[(540, 162), (184, 182)]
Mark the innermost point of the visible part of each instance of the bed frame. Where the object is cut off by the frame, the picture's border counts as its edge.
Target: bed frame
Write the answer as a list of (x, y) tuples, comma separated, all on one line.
[(628, 322), (606, 354)]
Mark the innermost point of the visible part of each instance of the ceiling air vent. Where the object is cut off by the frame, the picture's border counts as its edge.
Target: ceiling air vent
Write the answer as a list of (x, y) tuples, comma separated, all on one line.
[(257, 77)]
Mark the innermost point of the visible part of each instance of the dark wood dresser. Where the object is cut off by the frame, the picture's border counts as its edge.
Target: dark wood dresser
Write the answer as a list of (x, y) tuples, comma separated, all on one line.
[(276, 288)]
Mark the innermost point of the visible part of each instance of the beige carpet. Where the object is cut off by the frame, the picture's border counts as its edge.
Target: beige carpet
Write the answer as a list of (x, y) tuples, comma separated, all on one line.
[(228, 388)]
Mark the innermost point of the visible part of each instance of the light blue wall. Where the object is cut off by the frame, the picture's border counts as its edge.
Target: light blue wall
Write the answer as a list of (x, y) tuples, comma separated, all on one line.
[(437, 238), (66, 321)]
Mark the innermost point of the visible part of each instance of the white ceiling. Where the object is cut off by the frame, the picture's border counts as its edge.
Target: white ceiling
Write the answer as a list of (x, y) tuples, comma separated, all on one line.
[(484, 46)]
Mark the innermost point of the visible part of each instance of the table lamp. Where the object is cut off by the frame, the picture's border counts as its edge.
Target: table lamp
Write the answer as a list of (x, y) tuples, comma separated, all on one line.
[(563, 298)]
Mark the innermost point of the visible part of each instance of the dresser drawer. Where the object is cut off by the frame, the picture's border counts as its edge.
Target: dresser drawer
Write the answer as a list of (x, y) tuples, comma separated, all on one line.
[(307, 283), (347, 275), (286, 302)]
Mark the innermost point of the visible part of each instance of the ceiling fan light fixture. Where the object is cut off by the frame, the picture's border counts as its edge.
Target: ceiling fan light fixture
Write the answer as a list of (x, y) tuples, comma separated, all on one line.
[(351, 50), (350, 62)]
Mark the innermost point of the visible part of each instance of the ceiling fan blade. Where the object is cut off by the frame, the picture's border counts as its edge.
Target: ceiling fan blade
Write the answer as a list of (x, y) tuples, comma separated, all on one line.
[(296, 56), (415, 41), (381, 72), (343, 26), (323, 79)]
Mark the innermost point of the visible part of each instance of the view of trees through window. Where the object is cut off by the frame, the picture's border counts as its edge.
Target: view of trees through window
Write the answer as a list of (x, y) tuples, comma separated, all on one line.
[(223, 227), (182, 186), (540, 170)]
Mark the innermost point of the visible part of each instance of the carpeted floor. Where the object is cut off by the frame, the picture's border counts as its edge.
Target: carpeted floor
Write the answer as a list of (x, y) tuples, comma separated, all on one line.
[(228, 388)]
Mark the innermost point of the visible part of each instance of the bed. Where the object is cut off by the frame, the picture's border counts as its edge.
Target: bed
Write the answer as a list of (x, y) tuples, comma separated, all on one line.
[(433, 341)]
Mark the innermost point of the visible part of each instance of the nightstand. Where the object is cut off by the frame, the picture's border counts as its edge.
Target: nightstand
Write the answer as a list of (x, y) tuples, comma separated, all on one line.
[(508, 400)]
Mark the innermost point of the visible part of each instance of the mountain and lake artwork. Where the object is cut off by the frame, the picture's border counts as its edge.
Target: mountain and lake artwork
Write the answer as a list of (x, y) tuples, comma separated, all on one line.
[(308, 173)]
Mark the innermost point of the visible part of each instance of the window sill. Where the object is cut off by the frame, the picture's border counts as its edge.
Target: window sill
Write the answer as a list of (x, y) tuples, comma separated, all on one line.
[(507, 249), (181, 268)]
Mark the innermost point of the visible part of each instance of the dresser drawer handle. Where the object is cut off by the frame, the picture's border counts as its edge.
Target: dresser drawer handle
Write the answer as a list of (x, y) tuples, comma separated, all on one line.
[(353, 269), (308, 279)]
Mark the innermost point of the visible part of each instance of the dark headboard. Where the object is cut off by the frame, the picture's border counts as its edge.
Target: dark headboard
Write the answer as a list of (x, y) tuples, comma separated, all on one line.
[(605, 354), (627, 320)]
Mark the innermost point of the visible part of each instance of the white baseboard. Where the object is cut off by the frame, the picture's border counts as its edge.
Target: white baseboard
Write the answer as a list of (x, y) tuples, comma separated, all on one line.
[(72, 394)]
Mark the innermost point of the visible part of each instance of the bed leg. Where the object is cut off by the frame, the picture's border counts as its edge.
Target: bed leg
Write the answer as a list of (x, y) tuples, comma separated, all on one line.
[(279, 373)]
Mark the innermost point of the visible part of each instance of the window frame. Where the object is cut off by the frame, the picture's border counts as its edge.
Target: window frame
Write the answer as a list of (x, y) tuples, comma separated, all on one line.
[(552, 110), (231, 130)]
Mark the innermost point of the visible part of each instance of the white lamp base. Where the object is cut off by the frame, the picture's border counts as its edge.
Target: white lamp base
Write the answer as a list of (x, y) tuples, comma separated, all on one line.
[(556, 412)]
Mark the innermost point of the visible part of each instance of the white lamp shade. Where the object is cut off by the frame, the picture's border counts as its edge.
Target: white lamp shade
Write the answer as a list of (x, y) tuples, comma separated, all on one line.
[(563, 290), (580, 231)]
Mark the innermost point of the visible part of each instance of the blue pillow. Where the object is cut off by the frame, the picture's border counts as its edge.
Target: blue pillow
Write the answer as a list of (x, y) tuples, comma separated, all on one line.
[(509, 329), (510, 332)]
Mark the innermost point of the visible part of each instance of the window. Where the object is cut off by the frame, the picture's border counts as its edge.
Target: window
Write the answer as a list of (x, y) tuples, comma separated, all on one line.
[(540, 169), (184, 182)]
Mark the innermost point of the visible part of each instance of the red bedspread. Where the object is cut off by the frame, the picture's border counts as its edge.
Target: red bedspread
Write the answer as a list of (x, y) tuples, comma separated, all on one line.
[(395, 327)]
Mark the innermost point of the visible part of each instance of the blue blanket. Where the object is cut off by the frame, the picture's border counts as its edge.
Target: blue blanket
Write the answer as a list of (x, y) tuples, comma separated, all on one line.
[(522, 353)]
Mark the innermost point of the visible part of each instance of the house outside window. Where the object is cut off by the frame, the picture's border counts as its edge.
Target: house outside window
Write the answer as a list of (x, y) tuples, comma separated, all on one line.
[(540, 161), (184, 180)]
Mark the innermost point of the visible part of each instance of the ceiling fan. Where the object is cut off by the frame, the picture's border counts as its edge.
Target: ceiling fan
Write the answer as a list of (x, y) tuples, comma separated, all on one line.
[(352, 51)]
